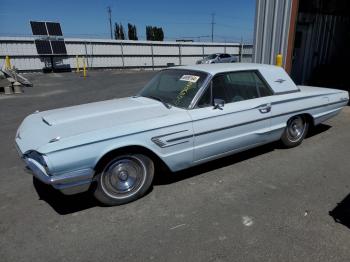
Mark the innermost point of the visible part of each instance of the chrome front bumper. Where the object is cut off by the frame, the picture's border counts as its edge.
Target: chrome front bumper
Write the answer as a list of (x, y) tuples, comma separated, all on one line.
[(68, 183)]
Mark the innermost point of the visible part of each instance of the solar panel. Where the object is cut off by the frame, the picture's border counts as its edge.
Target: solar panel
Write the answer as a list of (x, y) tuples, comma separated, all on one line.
[(58, 47), (38, 28), (43, 47), (54, 28)]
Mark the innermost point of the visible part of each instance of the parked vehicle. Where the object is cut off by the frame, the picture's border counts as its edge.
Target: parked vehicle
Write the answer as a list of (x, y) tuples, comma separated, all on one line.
[(183, 117), (218, 58)]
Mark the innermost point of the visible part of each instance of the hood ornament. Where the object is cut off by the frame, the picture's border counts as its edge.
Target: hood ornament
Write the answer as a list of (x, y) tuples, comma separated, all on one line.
[(55, 139)]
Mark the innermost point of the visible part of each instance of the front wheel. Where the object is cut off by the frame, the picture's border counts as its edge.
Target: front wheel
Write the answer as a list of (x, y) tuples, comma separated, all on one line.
[(295, 131), (124, 179)]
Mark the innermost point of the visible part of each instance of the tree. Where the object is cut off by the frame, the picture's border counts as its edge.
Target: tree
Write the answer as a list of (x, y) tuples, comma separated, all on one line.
[(116, 31), (135, 33), (154, 33), (148, 32), (119, 31), (132, 34), (160, 34), (122, 34)]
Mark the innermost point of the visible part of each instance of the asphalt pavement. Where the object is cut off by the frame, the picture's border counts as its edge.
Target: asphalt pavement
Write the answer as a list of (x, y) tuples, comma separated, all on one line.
[(265, 204)]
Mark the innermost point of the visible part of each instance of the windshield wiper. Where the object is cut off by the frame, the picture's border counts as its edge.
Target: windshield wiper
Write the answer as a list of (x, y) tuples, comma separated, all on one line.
[(160, 100)]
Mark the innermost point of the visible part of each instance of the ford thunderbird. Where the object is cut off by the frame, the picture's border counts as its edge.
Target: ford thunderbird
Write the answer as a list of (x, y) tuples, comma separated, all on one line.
[(183, 117)]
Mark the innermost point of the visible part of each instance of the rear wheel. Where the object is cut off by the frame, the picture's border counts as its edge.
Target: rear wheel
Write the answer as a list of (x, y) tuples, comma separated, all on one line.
[(124, 179), (295, 131)]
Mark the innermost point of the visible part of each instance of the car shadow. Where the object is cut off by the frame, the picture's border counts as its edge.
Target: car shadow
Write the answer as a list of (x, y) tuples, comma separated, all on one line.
[(315, 130), (341, 213), (64, 204)]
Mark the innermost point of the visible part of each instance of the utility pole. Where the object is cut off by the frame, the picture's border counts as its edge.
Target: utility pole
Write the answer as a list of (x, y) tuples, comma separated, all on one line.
[(109, 10), (212, 26)]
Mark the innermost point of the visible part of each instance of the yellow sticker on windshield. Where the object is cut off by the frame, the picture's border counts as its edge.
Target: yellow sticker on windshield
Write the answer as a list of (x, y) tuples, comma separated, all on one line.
[(189, 78)]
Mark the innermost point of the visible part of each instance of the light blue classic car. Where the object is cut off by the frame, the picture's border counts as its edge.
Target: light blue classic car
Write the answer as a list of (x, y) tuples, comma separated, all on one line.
[(183, 117)]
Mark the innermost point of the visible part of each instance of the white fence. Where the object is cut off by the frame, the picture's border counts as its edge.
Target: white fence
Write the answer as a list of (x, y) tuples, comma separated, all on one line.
[(116, 53)]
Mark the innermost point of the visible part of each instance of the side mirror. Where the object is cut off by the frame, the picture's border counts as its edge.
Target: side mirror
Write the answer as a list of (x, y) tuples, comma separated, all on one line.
[(219, 103)]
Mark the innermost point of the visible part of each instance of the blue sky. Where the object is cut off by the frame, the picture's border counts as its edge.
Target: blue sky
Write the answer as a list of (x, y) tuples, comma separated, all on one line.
[(179, 18)]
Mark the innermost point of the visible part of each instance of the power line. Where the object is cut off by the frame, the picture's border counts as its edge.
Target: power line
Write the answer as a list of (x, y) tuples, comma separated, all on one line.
[(109, 10), (212, 26)]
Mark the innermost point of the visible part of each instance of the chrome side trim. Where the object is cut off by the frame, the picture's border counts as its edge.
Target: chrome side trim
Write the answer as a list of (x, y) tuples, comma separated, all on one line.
[(298, 98), (262, 119), (163, 144)]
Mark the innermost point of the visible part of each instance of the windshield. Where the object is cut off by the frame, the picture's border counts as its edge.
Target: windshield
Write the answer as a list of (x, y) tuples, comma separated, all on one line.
[(176, 87), (212, 56)]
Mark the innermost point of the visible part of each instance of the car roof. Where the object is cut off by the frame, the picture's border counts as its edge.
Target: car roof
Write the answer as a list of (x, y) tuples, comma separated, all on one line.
[(224, 67)]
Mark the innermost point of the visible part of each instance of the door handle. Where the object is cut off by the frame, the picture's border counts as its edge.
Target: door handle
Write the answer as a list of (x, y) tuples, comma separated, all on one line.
[(265, 108)]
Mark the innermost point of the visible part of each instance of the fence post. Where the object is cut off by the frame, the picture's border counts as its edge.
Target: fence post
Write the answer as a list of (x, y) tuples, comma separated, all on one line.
[(86, 55), (122, 51), (180, 58), (77, 64), (91, 55), (241, 47), (84, 68), (152, 56), (203, 51)]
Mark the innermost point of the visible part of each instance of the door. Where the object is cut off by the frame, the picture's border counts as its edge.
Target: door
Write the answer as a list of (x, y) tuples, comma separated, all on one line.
[(242, 122), (224, 58)]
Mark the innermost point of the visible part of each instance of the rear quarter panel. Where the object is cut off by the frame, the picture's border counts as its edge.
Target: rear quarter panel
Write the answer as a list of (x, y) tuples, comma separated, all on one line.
[(320, 103)]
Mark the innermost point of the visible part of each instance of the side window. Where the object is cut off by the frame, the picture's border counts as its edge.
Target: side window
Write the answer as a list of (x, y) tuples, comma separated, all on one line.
[(221, 88), (242, 85), (234, 87), (239, 86)]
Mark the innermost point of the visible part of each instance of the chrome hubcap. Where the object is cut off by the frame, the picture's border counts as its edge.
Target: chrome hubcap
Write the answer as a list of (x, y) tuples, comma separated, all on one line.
[(296, 128), (123, 177)]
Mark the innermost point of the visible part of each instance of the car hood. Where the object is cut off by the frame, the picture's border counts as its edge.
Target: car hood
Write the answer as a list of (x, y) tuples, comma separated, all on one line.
[(54, 129), (90, 116)]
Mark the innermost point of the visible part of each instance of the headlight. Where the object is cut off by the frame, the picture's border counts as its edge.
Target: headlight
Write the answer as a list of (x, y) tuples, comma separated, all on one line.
[(37, 157)]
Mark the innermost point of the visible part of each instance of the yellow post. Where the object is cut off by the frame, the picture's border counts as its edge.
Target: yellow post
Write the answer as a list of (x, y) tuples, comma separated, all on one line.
[(8, 62), (77, 62), (279, 60), (84, 68)]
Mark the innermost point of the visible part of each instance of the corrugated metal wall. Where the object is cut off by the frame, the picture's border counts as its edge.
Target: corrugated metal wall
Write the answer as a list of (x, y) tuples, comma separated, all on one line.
[(320, 41), (118, 54), (272, 20)]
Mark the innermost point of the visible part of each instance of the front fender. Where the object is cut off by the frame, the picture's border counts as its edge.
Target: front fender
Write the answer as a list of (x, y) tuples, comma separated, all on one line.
[(176, 155)]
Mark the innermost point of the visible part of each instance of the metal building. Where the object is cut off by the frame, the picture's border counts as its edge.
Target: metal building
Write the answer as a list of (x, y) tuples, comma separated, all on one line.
[(313, 37), (273, 23)]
